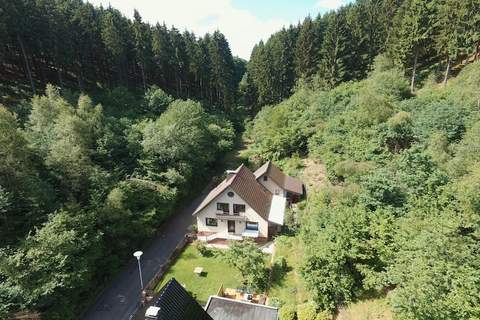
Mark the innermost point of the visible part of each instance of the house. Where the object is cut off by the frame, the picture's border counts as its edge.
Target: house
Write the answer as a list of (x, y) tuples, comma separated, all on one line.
[(175, 303), (247, 204), (278, 183)]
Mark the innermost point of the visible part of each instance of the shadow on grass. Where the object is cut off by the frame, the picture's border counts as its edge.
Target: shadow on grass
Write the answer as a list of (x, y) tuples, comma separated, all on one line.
[(208, 253), (278, 274)]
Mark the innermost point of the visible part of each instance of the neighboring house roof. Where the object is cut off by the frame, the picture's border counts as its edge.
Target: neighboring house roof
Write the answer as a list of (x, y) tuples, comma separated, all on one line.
[(220, 308), (242, 181), (176, 303), (286, 182)]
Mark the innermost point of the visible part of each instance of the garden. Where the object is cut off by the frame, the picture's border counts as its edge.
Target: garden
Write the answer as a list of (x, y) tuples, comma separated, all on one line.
[(216, 272)]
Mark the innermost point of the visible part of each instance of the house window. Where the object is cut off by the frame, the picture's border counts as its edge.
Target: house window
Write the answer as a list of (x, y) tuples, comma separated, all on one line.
[(265, 178), (251, 226), (238, 208), (231, 194), (211, 222), (224, 207)]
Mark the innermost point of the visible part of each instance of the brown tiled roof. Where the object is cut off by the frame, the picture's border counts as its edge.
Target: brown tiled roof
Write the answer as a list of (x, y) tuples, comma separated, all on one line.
[(286, 182), (243, 183)]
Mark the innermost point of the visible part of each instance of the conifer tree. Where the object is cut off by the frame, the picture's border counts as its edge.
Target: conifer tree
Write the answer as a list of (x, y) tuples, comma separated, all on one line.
[(143, 47), (411, 39), (307, 49)]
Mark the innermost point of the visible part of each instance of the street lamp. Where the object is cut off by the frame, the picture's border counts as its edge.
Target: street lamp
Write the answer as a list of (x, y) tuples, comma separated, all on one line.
[(138, 254)]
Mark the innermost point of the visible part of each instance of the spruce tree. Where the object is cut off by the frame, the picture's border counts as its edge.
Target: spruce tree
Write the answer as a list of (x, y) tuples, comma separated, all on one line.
[(411, 39), (307, 49)]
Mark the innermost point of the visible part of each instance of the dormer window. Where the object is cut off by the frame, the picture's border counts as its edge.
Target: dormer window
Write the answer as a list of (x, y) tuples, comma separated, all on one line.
[(265, 178)]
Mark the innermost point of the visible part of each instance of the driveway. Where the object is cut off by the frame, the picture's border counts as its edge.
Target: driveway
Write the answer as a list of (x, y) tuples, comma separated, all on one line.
[(121, 298)]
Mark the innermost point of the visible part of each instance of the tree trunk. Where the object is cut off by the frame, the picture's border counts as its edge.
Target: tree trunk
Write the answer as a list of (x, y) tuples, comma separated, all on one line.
[(414, 73), (447, 72), (80, 78), (27, 65), (58, 66), (143, 79)]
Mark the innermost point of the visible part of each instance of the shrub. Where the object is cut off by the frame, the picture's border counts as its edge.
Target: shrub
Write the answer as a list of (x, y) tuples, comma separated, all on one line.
[(324, 315), (275, 302), (201, 248), (281, 263), (307, 311), (288, 312)]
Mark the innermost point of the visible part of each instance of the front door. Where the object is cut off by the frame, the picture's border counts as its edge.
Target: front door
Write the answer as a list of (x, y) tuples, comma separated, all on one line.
[(231, 226)]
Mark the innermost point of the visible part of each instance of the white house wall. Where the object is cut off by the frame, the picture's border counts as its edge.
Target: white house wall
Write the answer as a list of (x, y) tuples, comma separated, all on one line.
[(210, 211), (271, 186)]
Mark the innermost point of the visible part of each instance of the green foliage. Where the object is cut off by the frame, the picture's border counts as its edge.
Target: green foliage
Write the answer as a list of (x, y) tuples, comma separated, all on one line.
[(157, 101), (307, 311), (443, 280), (52, 265), (447, 116), (281, 263), (323, 315), (288, 312), (201, 248), (75, 44), (184, 138), (23, 196), (247, 258), (110, 179), (336, 252), (403, 210)]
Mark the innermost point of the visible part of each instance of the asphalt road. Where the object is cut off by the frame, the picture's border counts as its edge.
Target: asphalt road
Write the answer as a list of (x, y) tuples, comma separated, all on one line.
[(121, 298)]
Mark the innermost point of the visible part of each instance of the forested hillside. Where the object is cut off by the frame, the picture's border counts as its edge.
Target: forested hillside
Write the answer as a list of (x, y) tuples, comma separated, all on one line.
[(400, 215), (72, 44), (106, 124), (424, 37)]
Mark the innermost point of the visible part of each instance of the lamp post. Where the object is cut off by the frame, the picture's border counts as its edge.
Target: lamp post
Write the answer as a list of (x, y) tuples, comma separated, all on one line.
[(138, 254)]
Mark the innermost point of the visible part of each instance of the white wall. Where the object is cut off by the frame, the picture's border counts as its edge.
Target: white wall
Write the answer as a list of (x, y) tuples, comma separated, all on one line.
[(272, 186), (210, 211)]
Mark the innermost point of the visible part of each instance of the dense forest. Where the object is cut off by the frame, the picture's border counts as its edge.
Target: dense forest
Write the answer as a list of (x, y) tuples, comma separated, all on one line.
[(400, 214), (375, 102), (424, 37), (107, 123), (72, 44)]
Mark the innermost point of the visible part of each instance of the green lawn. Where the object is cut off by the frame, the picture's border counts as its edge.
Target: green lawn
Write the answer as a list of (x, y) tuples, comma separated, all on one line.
[(289, 287), (216, 273)]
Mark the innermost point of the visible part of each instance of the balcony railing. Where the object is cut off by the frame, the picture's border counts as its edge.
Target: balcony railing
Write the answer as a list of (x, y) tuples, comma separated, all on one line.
[(228, 216)]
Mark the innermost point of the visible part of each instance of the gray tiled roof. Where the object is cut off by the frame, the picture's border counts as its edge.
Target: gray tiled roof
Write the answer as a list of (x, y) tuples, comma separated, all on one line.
[(227, 309)]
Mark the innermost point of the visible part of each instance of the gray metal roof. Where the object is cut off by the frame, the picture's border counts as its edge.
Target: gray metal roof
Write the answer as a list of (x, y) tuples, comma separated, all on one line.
[(220, 308)]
